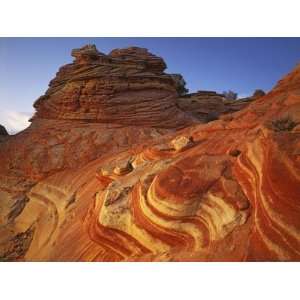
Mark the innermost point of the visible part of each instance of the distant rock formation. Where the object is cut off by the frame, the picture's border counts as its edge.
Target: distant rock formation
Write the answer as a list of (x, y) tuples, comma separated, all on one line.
[(208, 106), (114, 167), (203, 105)]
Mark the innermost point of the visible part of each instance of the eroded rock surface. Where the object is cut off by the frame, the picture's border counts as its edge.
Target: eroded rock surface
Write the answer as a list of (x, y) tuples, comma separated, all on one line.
[(208, 106), (127, 86), (227, 190), (96, 106)]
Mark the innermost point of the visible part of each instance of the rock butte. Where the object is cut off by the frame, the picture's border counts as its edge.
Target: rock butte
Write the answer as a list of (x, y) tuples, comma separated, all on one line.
[(96, 106), (127, 87), (117, 166)]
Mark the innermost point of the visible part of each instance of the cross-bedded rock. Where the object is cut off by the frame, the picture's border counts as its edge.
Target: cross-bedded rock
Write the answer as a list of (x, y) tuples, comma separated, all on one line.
[(228, 192), (127, 86), (98, 105), (104, 174)]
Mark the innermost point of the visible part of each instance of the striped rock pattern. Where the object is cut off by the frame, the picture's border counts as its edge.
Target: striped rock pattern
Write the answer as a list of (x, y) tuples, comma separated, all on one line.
[(96, 106), (99, 105), (50, 146), (127, 85), (230, 192), (232, 195)]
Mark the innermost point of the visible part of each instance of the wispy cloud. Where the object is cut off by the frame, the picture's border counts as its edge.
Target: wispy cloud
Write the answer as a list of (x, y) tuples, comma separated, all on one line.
[(14, 121)]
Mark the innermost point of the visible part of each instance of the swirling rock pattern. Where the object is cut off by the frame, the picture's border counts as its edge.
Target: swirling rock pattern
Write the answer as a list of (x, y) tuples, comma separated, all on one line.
[(98, 105), (228, 190)]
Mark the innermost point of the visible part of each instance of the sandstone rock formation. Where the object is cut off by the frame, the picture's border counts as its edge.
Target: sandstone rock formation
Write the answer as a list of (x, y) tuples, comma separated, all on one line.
[(203, 105), (126, 86), (227, 190), (208, 106), (96, 106)]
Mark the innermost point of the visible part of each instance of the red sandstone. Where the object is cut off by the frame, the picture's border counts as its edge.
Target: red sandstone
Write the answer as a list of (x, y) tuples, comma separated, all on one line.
[(111, 169)]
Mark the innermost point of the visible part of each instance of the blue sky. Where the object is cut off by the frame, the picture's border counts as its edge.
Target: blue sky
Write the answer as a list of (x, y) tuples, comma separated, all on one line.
[(240, 64)]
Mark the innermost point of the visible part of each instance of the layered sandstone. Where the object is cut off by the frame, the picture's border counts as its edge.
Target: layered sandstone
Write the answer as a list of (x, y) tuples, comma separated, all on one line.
[(223, 191), (231, 192), (96, 106), (127, 86), (208, 106), (203, 105), (99, 104)]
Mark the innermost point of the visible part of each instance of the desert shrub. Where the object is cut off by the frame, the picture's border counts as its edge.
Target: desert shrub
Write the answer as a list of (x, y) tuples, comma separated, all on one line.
[(230, 95), (283, 124), (180, 84)]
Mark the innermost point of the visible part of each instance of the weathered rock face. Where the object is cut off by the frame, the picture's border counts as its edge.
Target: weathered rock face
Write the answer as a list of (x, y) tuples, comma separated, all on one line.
[(203, 105), (208, 106), (223, 191), (97, 106), (126, 86), (230, 194), (100, 104), (50, 146)]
